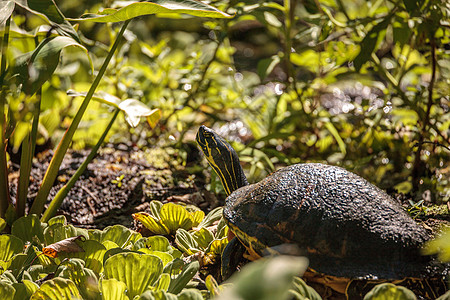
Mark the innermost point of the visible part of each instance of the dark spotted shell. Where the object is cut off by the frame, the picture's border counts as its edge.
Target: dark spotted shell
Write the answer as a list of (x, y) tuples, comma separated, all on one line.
[(346, 226)]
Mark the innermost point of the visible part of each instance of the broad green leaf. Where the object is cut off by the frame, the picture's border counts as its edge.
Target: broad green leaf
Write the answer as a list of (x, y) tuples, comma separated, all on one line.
[(31, 286), (265, 279), (49, 10), (304, 290), (439, 245), (84, 278), (57, 220), (387, 291), (197, 217), (134, 110), (175, 216), (113, 289), (36, 67), (164, 256), (188, 272), (92, 256), (150, 223), (9, 245), (28, 228), (203, 237), (6, 9), (118, 234), (163, 282), (157, 295), (57, 289), (2, 224), (137, 9), (137, 271), (7, 291), (110, 245), (212, 217), (57, 232), (190, 294), (21, 291), (186, 242)]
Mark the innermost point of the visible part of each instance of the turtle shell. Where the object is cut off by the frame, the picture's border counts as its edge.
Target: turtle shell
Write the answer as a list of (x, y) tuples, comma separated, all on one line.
[(346, 226)]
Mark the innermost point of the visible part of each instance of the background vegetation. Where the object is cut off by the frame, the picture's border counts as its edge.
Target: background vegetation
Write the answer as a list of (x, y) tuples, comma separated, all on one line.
[(363, 84)]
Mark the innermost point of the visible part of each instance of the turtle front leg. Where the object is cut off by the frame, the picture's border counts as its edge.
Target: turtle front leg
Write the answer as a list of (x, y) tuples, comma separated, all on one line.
[(231, 256)]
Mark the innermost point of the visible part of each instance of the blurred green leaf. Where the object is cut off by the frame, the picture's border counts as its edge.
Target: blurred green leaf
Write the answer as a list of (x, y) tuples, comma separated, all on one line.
[(6, 9), (369, 42), (439, 245), (137, 9), (36, 67), (387, 291), (7, 291), (188, 272)]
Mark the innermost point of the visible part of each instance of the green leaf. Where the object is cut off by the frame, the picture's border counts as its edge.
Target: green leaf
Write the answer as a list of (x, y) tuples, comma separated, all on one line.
[(387, 291), (304, 290), (9, 245), (57, 232), (175, 216), (92, 256), (164, 256), (439, 245), (137, 9), (36, 67), (6, 9), (118, 234), (163, 282), (49, 10), (188, 272), (369, 42), (113, 289), (28, 228), (266, 66), (190, 294), (265, 279), (150, 223), (57, 220), (186, 242), (7, 291), (213, 216), (85, 279), (158, 243), (203, 237), (57, 289), (137, 271)]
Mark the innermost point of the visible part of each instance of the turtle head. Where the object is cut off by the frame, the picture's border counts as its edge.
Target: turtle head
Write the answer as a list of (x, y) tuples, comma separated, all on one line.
[(222, 158)]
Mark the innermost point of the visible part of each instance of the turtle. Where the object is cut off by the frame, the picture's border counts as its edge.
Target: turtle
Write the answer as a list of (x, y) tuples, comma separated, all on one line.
[(347, 227)]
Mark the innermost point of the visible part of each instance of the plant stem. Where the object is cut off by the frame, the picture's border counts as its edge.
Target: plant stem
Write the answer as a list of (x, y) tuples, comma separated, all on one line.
[(418, 164), (55, 163), (62, 193), (4, 186), (26, 160)]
